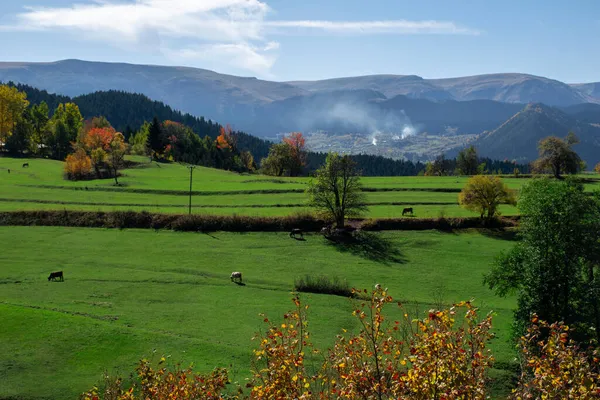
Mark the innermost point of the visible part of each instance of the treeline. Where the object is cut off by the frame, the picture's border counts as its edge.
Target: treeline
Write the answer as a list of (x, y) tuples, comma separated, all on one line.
[(93, 148), (469, 163)]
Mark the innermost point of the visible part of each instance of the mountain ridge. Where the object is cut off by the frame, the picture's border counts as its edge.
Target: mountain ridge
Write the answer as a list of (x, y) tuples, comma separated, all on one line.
[(517, 138), (407, 115)]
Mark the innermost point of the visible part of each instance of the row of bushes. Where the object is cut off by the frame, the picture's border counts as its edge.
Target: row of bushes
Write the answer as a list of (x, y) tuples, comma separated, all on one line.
[(442, 223), (233, 223), (146, 220)]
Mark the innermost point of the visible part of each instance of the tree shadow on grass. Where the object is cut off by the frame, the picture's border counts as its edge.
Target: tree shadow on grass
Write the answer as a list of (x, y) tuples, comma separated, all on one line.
[(511, 235), (370, 246)]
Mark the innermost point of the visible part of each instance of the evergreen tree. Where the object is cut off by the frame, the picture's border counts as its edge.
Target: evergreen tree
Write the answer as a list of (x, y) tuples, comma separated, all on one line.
[(155, 137)]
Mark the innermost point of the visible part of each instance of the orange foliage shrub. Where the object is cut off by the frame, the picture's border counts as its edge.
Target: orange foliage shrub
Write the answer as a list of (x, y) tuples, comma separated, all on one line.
[(282, 352), (162, 384), (78, 165), (441, 357), (553, 366)]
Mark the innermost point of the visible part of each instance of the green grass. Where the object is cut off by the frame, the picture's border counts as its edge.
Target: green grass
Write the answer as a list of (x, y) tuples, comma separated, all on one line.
[(163, 188), (128, 293)]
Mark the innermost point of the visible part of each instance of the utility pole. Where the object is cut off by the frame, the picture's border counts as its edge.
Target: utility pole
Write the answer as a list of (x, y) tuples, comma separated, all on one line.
[(191, 167)]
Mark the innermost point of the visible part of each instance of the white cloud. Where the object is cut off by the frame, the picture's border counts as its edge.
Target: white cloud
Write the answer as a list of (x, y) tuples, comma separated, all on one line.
[(234, 32), (377, 27)]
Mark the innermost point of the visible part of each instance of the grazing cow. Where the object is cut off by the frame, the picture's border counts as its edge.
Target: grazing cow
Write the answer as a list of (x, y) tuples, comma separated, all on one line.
[(236, 276), (326, 230), (407, 211), (295, 232), (26, 165), (56, 275)]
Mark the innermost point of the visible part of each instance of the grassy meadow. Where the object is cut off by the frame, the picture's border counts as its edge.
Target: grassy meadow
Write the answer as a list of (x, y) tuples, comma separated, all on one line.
[(130, 294), (164, 188)]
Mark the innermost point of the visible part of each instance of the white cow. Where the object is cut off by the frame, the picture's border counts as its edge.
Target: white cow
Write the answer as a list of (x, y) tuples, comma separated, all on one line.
[(236, 276)]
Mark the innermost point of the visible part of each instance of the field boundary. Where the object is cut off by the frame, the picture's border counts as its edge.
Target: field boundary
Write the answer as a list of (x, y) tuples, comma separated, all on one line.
[(228, 192), (234, 223), (276, 205)]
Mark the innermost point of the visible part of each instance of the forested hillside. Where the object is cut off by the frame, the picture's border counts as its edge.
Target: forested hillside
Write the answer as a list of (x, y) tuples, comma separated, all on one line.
[(128, 112)]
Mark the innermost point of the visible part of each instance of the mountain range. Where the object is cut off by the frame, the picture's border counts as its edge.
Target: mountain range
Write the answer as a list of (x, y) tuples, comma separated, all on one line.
[(392, 115)]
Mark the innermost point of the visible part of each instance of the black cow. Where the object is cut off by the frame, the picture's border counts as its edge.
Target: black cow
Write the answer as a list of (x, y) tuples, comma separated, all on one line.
[(295, 232), (56, 275), (407, 211), (26, 165)]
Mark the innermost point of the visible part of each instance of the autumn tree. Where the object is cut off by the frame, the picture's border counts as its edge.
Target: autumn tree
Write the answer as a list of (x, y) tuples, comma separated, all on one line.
[(225, 140), (597, 168), (78, 165), (484, 193), (97, 143), (467, 162), (553, 269), (336, 190), (13, 104), (557, 156), (297, 152)]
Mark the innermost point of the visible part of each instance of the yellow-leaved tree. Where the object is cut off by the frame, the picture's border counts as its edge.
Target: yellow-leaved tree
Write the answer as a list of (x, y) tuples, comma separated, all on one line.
[(484, 193), (12, 105)]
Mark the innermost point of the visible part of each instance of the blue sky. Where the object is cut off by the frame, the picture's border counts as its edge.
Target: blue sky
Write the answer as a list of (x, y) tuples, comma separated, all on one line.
[(312, 39)]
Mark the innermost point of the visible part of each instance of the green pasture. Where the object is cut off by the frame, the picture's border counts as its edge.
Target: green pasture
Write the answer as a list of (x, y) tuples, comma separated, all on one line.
[(157, 187), (130, 294)]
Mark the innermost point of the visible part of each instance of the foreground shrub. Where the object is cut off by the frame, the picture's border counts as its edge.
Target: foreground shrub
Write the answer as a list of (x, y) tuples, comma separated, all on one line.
[(554, 367), (323, 285), (439, 357), (158, 384), (278, 368), (443, 356), (78, 165)]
